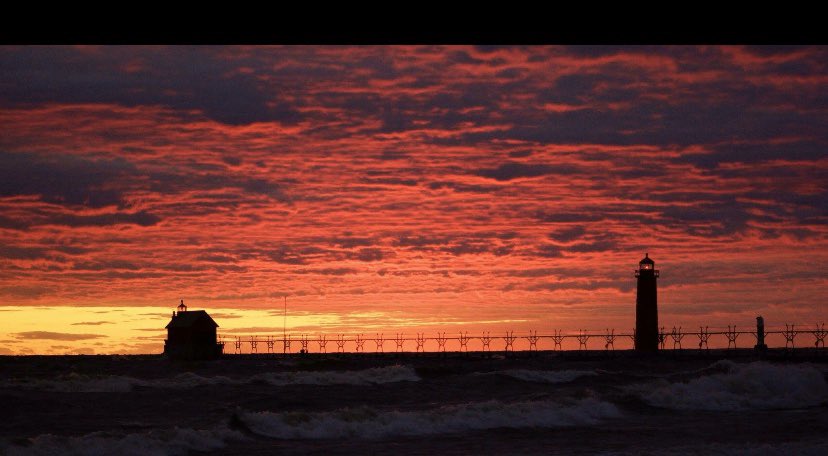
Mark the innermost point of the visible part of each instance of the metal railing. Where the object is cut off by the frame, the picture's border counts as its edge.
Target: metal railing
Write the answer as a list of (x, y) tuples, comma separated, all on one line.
[(486, 342)]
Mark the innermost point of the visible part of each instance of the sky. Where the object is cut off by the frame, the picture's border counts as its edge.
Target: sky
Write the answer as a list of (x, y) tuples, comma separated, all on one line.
[(406, 188)]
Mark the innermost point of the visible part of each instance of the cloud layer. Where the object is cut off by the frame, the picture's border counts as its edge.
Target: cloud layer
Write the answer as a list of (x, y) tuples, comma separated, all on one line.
[(520, 182)]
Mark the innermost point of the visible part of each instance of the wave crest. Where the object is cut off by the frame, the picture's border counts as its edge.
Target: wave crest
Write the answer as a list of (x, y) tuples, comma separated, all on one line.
[(753, 386), (370, 423)]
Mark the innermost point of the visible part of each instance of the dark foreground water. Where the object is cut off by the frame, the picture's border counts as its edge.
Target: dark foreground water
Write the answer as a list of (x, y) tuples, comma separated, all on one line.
[(551, 403)]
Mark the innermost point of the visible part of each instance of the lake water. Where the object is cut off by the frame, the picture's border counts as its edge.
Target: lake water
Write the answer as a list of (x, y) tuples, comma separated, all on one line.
[(550, 403)]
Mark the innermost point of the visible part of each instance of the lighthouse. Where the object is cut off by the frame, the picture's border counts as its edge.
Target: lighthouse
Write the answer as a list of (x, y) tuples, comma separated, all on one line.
[(646, 306)]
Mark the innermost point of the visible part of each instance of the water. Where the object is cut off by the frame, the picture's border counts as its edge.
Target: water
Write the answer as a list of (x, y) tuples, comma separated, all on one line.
[(548, 404)]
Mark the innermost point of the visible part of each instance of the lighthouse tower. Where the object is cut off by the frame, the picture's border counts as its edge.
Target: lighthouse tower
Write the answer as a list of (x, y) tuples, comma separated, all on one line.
[(646, 308)]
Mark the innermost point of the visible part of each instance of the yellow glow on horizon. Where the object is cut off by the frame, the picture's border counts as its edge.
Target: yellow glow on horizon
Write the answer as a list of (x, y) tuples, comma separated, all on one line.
[(140, 330)]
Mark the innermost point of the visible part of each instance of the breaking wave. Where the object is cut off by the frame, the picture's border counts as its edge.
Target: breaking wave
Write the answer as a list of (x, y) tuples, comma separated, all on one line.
[(370, 423), (155, 443), (114, 384), (543, 376), (753, 386)]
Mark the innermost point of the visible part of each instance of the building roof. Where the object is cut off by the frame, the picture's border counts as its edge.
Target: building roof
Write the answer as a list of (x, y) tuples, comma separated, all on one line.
[(646, 259), (189, 319)]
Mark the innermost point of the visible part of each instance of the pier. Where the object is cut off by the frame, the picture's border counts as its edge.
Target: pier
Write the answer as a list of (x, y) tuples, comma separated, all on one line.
[(730, 337)]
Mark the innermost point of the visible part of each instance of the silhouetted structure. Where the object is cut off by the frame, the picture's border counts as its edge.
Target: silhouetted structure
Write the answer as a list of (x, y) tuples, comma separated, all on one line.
[(760, 334), (192, 335), (646, 306)]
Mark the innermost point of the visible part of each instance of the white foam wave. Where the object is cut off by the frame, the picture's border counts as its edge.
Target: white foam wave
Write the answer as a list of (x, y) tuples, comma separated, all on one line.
[(753, 386), (175, 441), (370, 423), (114, 383), (545, 376)]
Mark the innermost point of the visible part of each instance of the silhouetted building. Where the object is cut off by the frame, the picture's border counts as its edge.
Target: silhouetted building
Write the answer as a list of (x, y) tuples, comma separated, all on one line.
[(192, 335), (646, 306)]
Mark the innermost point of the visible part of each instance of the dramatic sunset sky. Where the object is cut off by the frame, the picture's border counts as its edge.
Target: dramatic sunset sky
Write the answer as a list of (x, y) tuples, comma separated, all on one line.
[(404, 189)]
